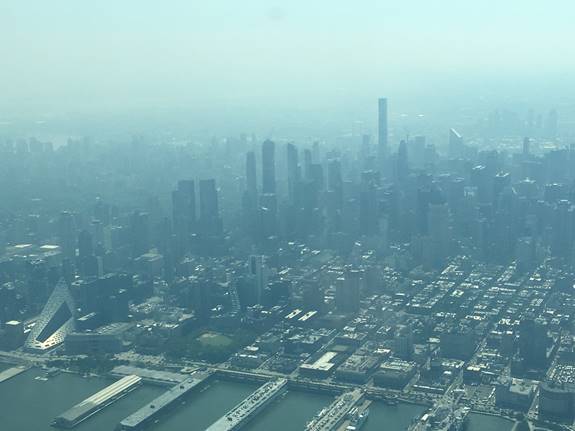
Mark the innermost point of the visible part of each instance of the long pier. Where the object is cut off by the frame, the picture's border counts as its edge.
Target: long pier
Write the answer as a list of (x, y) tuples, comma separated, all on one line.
[(11, 372), (97, 402), (151, 411), (162, 378), (293, 383), (241, 414), (330, 418), (242, 376)]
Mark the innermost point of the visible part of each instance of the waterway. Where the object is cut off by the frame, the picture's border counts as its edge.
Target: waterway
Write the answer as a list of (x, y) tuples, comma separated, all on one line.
[(201, 409), (28, 403), (479, 422), (291, 412), (392, 418)]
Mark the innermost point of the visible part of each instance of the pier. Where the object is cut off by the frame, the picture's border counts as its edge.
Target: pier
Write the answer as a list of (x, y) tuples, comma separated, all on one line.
[(157, 377), (11, 372), (241, 376), (240, 415), (151, 411), (330, 418), (97, 402)]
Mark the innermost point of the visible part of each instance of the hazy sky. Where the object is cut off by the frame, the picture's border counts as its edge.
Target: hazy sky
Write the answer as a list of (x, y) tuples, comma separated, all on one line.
[(71, 55)]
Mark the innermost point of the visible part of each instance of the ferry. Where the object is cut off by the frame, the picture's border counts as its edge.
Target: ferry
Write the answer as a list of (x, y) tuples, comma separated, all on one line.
[(51, 372), (316, 417), (443, 418), (357, 419)]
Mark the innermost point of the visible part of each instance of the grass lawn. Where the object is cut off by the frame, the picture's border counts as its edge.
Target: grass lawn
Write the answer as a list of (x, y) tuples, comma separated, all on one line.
[(213, 339)]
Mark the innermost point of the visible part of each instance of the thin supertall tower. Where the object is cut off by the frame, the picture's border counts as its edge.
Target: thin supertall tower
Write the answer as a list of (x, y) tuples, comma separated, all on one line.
[(382, 126), (268, 167)]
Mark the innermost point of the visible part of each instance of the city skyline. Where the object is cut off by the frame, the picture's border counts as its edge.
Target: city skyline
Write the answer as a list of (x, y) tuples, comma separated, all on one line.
[(325, 216)]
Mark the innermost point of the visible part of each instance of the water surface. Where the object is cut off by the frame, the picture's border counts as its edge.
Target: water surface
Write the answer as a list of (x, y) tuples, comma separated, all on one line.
[(30, 404), (203, 408), (384, 417), (291, 412), (478, 422)]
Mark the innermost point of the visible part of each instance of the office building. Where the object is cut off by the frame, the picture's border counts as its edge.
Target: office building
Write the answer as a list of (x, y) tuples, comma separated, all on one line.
[(268, 167), (382, 128), (210, 221)]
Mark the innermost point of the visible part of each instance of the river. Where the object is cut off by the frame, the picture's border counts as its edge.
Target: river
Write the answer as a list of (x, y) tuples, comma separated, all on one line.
[(30, 403)]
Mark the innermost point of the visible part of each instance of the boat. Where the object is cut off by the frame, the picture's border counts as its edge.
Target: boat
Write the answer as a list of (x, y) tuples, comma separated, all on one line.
[(443, 417), (51, 372), (316, 417), (357, 419)]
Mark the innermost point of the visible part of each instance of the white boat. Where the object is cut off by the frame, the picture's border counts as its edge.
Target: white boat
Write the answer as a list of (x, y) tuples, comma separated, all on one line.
[(357, 419)]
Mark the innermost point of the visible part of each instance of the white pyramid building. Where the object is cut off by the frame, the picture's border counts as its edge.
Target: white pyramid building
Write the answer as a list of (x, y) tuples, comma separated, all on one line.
[(55, 322)]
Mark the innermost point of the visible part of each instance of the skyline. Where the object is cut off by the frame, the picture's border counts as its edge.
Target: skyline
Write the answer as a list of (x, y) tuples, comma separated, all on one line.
[(209, 56), (288, 216)]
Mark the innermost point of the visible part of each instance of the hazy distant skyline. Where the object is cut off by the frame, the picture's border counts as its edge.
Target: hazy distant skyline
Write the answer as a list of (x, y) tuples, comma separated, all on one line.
[(69, 56)]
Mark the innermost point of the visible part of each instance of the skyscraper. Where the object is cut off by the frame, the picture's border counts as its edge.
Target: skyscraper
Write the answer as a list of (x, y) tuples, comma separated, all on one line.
[(259, 271), (251, 176), (551, 124), (416, 152), (403, 342), (268, 215), (455, 143), (307, 162), (402, 163), (184, 208), (140, 232), (368, 204), (85, 245), (87, 261), (250, 199), (334, 195), (439, 233), (268, 167), (382, 127), (292, 169), (535, 343), (347, 292), (526, 146), (210, 221), (67, 234)]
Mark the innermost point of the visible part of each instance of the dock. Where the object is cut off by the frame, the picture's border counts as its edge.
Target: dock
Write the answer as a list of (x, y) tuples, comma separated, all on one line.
[(332, 417), (152, 410), (97, 402), (11, 372), (163, 378), (241, 414)]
